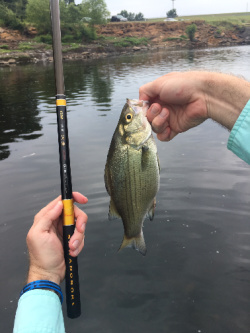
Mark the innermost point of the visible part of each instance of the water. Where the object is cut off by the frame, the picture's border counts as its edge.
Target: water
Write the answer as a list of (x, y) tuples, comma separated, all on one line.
[(196, 274)]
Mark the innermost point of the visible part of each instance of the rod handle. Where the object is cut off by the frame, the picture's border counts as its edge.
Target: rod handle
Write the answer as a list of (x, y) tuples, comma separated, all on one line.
[(71, 277)]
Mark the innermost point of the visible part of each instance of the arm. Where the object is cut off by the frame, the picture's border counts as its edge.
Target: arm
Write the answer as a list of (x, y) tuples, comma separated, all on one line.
[(182, 100), (45, 247)]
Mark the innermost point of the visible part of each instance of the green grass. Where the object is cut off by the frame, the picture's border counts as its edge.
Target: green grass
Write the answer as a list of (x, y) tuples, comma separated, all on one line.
[(4, 51), (182, 37), (214, 19), (233, 18), (72, 47), (4, 47), (131, 41), (124, 41), (26, 46)]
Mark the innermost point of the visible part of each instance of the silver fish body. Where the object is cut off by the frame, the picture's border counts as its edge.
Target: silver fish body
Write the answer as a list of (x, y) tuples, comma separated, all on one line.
[(132, 173)]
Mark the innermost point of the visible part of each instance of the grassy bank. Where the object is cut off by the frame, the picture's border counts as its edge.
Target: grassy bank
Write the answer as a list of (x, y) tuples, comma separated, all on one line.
[(215, 19)]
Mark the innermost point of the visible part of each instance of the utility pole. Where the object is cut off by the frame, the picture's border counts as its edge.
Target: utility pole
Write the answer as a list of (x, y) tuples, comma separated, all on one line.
[(173, 3)]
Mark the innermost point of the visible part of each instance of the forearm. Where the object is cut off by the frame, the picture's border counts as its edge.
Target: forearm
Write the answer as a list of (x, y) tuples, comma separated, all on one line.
[(226, 96)]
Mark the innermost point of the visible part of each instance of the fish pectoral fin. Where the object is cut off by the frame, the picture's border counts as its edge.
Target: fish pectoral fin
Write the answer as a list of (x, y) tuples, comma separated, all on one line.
[(137, 243), (151, 211), (113, 213)]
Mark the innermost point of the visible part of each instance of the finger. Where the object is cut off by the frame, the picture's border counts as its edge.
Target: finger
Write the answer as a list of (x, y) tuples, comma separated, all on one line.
[(74, 251), (81, 219), (46, 221), (164, 135), (160, 122), (78, 236), (80, 198), (153, 111)]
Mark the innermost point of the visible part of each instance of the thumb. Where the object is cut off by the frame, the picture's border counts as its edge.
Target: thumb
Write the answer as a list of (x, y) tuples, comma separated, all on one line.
[(51, 215)]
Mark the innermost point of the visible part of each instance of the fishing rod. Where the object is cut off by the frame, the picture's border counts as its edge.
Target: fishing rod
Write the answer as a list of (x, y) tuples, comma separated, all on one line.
[(71, 277)]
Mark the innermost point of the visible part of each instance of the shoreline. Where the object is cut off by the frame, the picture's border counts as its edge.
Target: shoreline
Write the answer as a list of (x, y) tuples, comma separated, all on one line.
[(160, 35)]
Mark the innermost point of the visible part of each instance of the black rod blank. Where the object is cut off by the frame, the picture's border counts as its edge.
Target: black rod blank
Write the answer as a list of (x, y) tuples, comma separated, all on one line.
[(71, 276)]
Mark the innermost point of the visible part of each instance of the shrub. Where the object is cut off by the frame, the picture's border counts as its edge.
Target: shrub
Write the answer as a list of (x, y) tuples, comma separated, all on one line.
[(78, 33), (68, 38), (47, 39), (190, 31)]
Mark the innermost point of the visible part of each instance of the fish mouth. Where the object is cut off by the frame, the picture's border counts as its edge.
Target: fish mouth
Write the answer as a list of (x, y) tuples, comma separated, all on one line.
[(138, 105)]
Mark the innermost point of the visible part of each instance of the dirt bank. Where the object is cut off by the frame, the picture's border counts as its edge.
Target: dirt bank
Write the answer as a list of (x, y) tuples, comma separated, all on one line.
[(159, 35)]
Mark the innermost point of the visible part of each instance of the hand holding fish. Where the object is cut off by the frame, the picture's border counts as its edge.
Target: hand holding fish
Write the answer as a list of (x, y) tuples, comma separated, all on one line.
[(182, 100), (44, 241)]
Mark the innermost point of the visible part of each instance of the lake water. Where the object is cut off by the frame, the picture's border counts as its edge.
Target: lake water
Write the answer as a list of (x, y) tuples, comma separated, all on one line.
[(196, 274)]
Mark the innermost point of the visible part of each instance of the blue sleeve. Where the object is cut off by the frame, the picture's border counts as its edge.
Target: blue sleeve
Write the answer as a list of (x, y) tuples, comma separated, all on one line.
[(39, 311), (239, 139)]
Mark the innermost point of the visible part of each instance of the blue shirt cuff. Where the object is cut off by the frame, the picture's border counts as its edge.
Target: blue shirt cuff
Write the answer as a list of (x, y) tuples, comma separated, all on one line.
[(239, 139), (39, 311)]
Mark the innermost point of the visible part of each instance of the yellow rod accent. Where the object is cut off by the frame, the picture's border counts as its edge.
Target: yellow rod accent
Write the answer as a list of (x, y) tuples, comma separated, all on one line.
[(68, 212), (60, 102)]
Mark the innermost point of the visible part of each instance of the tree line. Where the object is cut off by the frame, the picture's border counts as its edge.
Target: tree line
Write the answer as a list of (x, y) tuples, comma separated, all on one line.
[(132, 16), (20, 14)]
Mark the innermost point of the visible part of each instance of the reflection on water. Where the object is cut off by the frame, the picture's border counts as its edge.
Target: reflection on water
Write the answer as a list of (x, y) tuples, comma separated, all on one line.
[(19, 109), (195, 276)]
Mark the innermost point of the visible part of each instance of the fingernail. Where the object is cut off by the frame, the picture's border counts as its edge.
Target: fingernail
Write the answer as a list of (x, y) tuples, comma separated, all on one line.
[(154, 110), (75, 244), (163, 113)]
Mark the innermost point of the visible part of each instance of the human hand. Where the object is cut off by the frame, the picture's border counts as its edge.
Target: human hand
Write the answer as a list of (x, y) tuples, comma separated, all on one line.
[(44, 240), (177, 103)]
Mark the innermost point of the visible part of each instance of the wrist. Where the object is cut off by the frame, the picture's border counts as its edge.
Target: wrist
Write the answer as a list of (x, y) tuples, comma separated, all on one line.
[(45, 285), (35, 274), (226, 96)]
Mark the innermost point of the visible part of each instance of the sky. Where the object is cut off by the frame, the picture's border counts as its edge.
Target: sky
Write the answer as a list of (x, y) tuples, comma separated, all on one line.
[(158, 8)]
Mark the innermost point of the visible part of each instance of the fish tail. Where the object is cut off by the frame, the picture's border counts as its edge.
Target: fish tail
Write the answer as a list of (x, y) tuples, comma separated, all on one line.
[(137, 243)]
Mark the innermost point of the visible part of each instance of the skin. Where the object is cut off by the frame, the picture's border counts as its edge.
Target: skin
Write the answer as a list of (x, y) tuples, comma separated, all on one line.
[(44, 240), (182, 100)]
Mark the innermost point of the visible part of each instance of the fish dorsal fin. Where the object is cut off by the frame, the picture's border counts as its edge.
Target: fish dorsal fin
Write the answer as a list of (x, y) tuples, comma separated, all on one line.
[(113, 213)]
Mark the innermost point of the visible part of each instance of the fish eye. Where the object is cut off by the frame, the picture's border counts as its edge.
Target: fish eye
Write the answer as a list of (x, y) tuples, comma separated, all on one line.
[(128, 117)]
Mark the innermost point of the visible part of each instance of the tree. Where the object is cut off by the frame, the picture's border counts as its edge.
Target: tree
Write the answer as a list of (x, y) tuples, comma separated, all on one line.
[(16, 6), (124, 13), (131, 16), (70, 13), (139, 17), (38, 13), (9, 18), (172, 13), (96, 10)]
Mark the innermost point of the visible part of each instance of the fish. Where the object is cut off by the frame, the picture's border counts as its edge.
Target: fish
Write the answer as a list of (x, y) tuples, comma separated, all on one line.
[(132, 173)]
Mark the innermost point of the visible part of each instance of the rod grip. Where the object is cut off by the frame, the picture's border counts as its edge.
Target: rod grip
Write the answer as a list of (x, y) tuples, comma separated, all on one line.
[(71, 277), (72, 289)]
